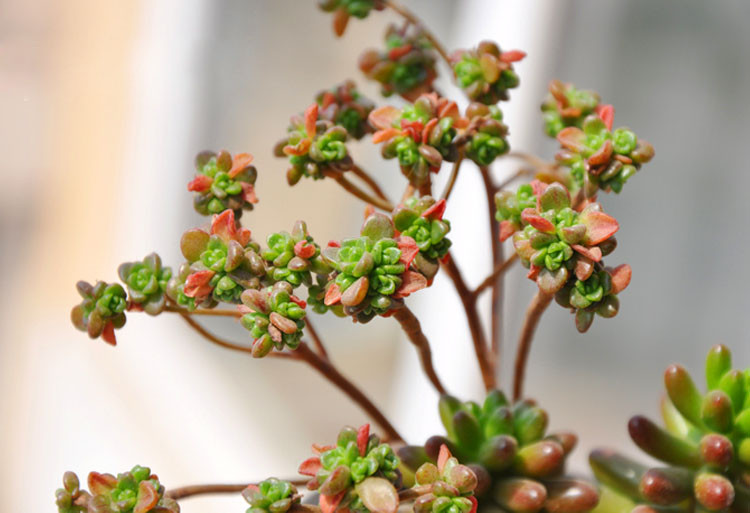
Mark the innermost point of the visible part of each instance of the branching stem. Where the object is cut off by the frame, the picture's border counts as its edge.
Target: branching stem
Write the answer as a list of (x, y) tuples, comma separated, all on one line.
[(370, 181), (452, 178), (203, 311), (414, 20), (534, 312), (316, 338), (359, 193), (410, 324)]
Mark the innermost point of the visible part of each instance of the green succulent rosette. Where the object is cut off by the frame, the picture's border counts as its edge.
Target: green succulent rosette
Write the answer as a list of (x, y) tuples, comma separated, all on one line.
[(566, 106), (271, 496), (508, 208), (486, 73), (316, 296), (223, 182), (355, 473), (176, 291), (518, 465), (372, 271), (421, 218), (485, 136), (294, 257), (223, 262), (101, 311), (594, 295), (704, 446), (420, 136), (447, 487), (135, 491), (147, 283), (600, 158), (274, 317), (407, 65), (345, 106), (343, 10)]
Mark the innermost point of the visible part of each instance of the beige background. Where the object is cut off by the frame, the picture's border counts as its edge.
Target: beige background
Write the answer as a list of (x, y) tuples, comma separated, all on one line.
[(104, 104)]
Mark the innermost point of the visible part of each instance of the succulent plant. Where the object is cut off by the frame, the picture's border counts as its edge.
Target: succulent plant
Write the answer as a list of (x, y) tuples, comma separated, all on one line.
[(566, 106), (600, 158), (420, 135), (447, 487), (406, 67), (359, 473), (294, 257), (147, 282), (223, 182), (486, 73), (223, 262), (271, 496), (372, 271), (135, 491), (274, 318), (485, 136), (345, 106), (421, 218), (101, 311), (344, 9), (176, 291), (509, 206), (313, 147), (705, 445), (518, 466)]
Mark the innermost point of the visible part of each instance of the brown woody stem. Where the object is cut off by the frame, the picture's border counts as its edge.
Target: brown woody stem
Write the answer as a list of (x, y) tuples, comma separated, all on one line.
[(468, 300), (359, 193), (370, 181), (203, 311), (410, 324), (534, 312), (452, 178), (316, 338), (328, 371), (496, 302), (184, 492), (226, 344), (414, 20), (499, 270)]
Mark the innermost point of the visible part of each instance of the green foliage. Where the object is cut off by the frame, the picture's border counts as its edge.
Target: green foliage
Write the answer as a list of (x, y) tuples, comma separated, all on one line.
[(485, 135), (429, 230), (294, 257), (275, 318), (446, 487), (485, 73), (346, 107), (271, 496), (147, 282), (566, 106), (101, 311), (223, 182)]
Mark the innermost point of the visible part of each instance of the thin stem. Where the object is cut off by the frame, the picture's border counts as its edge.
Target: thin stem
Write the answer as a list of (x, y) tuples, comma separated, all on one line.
[(499, 270), (328, 371), (414, 20), (534, 161), (496, 301), (410, 324), (316, 338), (472, 316), (452, 177), (408, 192), (203, 311), (359, 193), (184, 492), (370, 181), (536, 308), (521, 172)]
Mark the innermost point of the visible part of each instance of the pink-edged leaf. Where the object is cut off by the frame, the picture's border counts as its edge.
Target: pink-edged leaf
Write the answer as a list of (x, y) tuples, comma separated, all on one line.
[(607, 113), (449, 110), (443, 456), (368, 211), (363, 435), (328, 100), (538, 187), (108, 334), (599, 226), (311, 118), (592, 253), (474, 504), (620, 278), (534, 271), (512, 56), (383, 118), (197, 284), (243, 309), (572, 138), (436, 211), (396, 53), (334, 244), (340, 21), (248, 192), (409, 250), (530, 216), (329, 503), (304, 249), (602, 155), (299, 149), (320, 449), (385, 134), (411, 282), (507, 228), (333, 295), (200, 183), (427, 129), (223, 225), (100, 484), (297, 301), (148, 497), (584, 268), (243, 236), (310, 466), (239, 164)]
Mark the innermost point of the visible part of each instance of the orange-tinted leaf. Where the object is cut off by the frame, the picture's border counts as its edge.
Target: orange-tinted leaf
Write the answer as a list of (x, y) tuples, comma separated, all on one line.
[(412, 282), (512, 56), (620, 278), (409, 250), (385, 135), (333, 295), (363, 435), (340, 21), (108, 334), (148, 497), (602, 155), (239, 163), (248, 192), (328, 100), (197, 284), (572, 138), (223, 225), (100, 484), (607, 113), (304, 249), (299, 149), (530, 216), (436, 211), (311, 117), (427, 129), (396, 53), (449, 110), (534, 271), (297, 301), (599, 226), (443, 456), (474, 504), (384, 117), (592, 253), (507, 228), (310, 466), (320, 449), (200, 183), (329, 503)]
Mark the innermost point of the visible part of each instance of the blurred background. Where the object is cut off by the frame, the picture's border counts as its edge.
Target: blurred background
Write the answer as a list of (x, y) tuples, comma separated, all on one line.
[(105, 104)]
